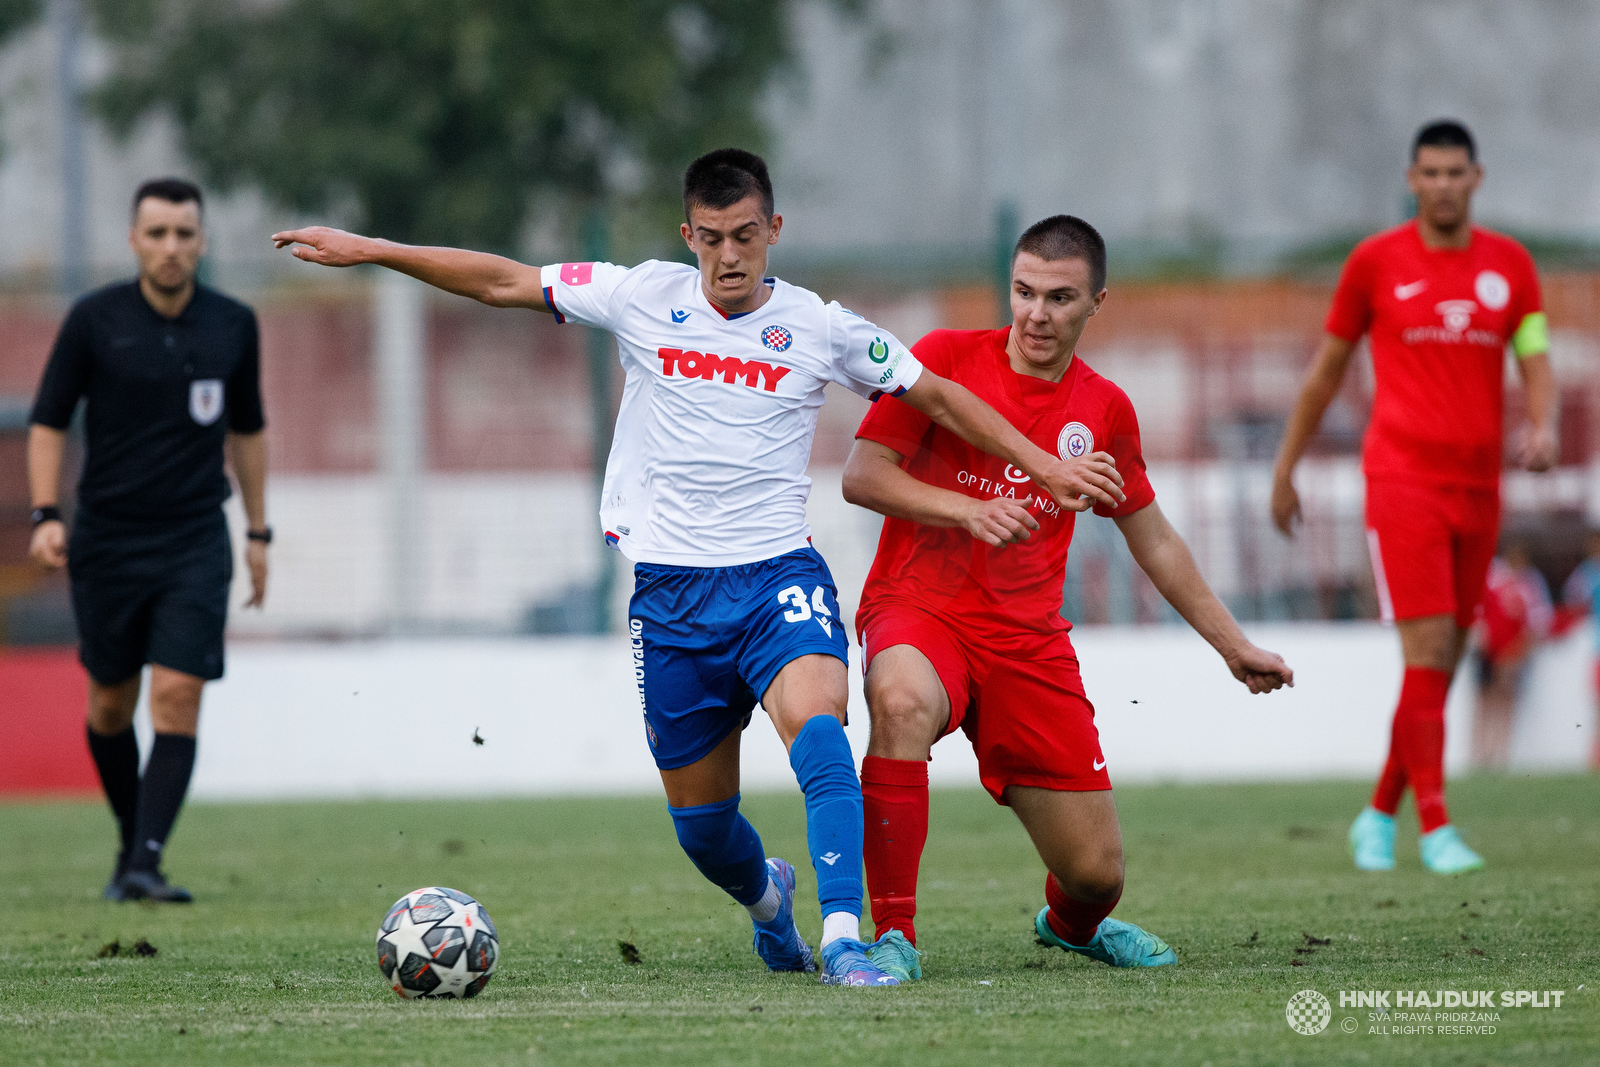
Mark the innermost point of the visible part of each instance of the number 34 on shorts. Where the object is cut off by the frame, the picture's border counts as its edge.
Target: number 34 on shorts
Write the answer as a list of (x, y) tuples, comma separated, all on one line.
[(800, 609)]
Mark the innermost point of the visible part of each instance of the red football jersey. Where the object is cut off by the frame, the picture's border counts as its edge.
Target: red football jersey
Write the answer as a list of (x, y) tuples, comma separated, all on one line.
[(1439, 320), (948, 572)]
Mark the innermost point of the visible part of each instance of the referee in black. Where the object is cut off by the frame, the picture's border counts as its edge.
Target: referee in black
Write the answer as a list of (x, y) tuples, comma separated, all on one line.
[(170, 371)]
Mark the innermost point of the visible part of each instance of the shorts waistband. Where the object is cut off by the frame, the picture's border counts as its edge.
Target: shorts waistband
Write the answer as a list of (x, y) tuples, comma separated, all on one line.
[(736, 568)]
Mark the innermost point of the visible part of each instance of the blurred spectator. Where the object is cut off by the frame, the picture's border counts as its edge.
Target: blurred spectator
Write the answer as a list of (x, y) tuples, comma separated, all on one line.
[(1514, 617), (1582, 597)]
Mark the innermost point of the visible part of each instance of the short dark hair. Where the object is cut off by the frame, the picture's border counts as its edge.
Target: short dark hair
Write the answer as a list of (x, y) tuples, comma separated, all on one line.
[(723, 178), (1065, 237), (173, 190), (1444, 133)]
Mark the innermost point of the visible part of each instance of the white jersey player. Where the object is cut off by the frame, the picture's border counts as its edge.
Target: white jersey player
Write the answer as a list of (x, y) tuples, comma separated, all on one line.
[(705, 490), (707, 468)]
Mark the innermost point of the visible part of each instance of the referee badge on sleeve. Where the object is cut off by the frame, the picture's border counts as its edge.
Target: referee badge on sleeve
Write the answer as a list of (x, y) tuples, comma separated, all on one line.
[(205, 400)]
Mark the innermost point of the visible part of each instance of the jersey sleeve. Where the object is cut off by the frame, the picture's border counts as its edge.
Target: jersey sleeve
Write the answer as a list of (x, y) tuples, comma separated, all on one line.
[(1531, 334), (66, 374), (243, 394), (1351, 312), (867, 359), (1126, 450), (896, 424), (582, 292)]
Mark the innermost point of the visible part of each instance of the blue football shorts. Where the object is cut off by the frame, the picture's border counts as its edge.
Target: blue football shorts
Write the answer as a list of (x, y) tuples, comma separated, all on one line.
[(707, 641)]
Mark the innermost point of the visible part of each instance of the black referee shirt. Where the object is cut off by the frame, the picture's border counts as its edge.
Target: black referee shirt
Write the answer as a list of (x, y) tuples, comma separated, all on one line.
[(163, 395)]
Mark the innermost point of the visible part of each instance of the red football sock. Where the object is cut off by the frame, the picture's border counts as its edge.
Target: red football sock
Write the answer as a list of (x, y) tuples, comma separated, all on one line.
[(894, 795), (1392, 782), (1074, 921), (1416, 748)]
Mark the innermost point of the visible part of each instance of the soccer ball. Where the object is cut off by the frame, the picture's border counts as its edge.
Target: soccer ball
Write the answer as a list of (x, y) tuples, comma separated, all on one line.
[(437, 942)]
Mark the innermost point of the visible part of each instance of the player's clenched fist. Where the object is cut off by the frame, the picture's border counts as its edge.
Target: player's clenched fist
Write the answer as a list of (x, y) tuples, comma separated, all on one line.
[(1000, 521), (1086, 481), (1261, 671), (323, 244), (49, 545)]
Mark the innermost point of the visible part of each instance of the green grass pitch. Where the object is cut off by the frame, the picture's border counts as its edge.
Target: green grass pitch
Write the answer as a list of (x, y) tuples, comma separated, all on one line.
[(275, 964)]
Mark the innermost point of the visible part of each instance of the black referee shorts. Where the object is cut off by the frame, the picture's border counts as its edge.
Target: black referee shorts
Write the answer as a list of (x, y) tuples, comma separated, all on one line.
[(150, 593)]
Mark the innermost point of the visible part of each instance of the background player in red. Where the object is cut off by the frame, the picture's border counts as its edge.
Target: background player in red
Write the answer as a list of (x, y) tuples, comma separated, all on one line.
[(960, 619), (1440, 299)]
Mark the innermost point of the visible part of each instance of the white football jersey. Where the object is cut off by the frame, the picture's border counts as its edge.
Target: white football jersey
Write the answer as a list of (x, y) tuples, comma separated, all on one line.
[(708, 462)]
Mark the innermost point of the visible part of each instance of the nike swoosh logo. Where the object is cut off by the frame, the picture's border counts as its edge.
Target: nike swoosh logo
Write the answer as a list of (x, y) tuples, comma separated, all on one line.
[(1406, 292), (679, 316), (1099, 763)]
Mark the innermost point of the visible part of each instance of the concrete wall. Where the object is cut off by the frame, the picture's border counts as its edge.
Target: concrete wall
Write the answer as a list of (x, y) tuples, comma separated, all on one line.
[(397, 718)]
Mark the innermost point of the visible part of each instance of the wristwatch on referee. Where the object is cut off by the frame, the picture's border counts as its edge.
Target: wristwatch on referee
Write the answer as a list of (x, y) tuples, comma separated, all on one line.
[(47, 513), (264, 535)]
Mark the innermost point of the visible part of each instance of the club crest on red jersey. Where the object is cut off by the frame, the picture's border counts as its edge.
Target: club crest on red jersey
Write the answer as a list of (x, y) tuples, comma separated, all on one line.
[(1492, 289), (1075, 442)]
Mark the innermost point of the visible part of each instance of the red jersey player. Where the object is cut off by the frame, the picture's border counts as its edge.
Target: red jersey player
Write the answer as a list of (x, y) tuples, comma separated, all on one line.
[(1439, 299), (960, 618)]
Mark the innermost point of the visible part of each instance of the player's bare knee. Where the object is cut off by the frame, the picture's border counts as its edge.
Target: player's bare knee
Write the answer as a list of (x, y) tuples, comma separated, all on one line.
[(111, 707), (175, 702), (1433, 642), (902, 714)]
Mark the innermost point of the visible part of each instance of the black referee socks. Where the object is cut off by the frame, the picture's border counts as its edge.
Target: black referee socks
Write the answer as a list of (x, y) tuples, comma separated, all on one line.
[(166, 780), (117, 759)]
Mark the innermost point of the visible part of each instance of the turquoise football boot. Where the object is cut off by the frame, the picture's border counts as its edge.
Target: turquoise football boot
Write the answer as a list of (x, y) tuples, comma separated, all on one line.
[(1372, 840), (1443, 852), (1115, 943), (895, 954), (845, 962), (778, 941)]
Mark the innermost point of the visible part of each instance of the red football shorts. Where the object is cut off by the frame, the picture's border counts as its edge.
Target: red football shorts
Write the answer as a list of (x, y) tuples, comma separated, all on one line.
[(1017, 697), (1431, 547)]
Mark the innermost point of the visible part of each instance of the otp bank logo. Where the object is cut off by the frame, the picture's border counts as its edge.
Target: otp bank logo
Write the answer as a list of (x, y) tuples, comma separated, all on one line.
[(1457, 314), (704, 365)]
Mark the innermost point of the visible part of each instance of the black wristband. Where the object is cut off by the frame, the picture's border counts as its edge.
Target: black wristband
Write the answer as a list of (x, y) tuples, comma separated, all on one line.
[(48, 513), (264, 535)]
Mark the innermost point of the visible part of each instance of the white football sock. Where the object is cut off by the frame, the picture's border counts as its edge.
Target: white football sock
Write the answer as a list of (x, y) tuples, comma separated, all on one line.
[(841, 924), (766, 909)]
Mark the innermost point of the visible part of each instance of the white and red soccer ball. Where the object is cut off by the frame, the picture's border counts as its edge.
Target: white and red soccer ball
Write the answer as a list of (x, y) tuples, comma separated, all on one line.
[(437, 942)]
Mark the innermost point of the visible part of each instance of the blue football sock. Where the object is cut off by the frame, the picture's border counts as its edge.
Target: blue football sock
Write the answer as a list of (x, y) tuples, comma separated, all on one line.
[(725, 847), (826, 770)]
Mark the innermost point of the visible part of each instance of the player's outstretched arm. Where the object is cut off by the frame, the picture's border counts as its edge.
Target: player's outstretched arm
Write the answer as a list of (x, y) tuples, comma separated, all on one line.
[(493, 280), (874, 479), (1076, 485), (1166, 560), (1322, 382)]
